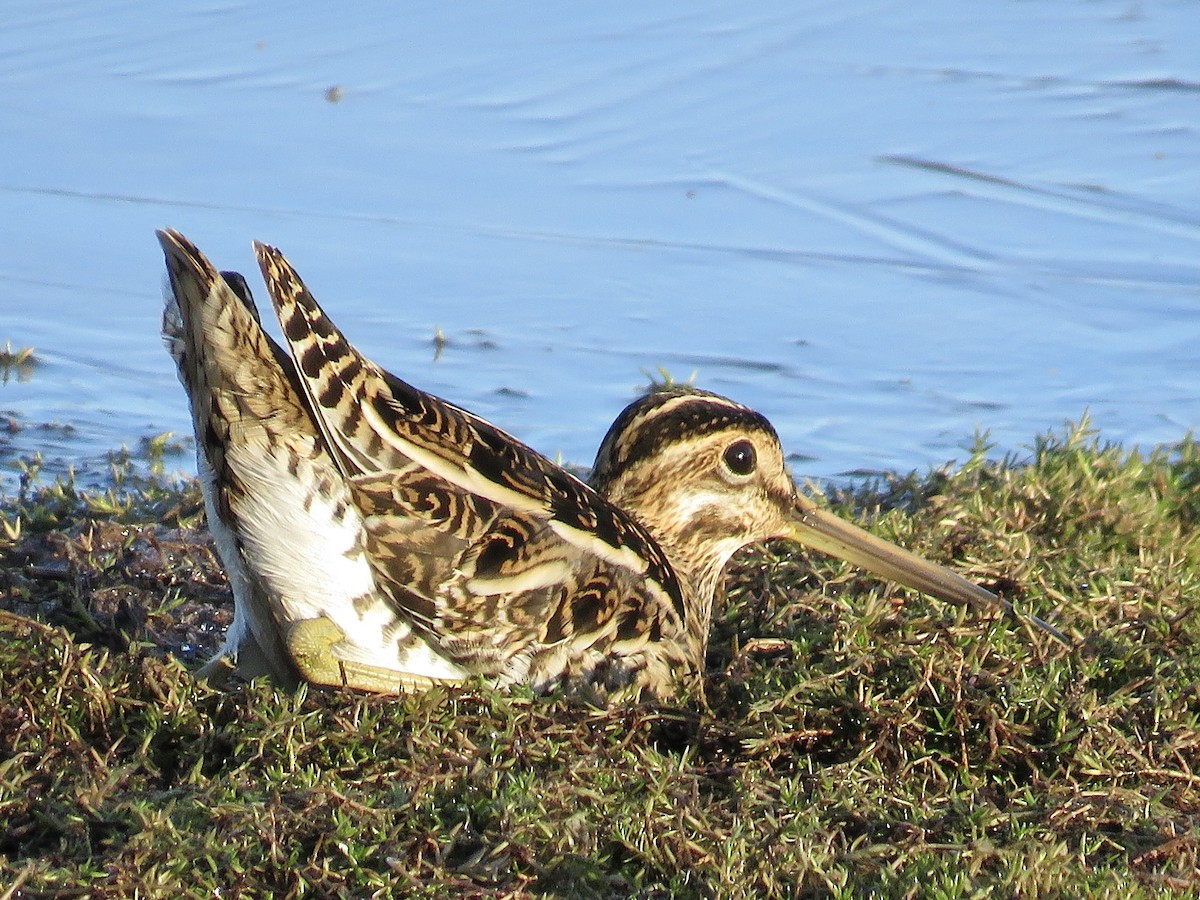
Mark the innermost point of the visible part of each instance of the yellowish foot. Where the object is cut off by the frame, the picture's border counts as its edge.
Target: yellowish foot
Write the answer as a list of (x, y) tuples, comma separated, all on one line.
[(312, 644)]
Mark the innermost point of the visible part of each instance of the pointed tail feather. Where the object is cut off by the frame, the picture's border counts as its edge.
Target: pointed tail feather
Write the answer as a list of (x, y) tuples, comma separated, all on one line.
[(339, 382), (231, 372)]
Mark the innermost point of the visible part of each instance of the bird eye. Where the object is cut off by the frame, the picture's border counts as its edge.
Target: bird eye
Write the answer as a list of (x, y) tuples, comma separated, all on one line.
[(740, 457)]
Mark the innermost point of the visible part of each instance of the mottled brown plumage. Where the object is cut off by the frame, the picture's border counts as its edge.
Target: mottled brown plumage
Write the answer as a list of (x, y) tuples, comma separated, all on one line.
[(379, 537)]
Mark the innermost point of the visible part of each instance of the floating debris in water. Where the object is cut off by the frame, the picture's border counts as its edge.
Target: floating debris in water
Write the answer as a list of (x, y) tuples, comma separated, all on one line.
[(20, 362)]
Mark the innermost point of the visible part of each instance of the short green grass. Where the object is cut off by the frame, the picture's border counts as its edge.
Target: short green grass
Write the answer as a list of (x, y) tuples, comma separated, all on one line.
[(882, 744)]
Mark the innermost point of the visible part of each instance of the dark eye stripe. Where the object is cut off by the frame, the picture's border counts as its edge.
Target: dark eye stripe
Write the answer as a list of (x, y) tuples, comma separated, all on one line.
[(740, 457)]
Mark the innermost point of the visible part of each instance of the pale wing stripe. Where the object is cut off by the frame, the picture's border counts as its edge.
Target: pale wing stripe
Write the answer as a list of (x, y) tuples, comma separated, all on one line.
[(534, 578), (624, 557), (460, 476)]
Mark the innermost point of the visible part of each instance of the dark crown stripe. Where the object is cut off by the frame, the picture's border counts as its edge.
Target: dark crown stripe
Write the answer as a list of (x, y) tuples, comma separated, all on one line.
[(668, 417)]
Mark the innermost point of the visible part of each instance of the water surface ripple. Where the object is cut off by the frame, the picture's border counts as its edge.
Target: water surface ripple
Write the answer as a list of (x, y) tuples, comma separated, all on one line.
[(884, 224)]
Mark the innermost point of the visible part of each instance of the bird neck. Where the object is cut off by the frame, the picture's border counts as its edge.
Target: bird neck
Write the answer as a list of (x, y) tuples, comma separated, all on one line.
[(696, 544), (702, 578)]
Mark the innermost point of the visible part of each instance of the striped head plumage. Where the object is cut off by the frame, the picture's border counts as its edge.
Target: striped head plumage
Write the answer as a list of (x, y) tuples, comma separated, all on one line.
[(379, 537)]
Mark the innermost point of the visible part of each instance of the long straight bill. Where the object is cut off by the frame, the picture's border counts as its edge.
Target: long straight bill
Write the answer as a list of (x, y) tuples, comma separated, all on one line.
[(816, 528)]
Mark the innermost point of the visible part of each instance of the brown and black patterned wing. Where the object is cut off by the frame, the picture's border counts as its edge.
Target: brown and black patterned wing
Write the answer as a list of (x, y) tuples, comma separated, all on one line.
[(547, 534), (502, 594)]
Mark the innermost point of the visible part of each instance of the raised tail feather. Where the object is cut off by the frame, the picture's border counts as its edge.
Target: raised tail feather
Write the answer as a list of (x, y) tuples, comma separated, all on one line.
[(280, 510), (211, 328), (338, 381)]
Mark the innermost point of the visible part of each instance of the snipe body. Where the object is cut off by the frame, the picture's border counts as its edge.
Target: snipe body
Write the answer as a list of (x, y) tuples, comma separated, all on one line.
[(378, 537)]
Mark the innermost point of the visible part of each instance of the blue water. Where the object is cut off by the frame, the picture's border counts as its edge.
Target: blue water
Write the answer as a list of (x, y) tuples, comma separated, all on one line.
[(884, 224)]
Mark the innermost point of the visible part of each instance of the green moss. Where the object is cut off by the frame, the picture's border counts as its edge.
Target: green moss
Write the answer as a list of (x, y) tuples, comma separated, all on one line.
[(881, 743)]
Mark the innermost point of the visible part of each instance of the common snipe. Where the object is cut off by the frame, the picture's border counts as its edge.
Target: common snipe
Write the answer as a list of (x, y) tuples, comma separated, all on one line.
[(381, 538)]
